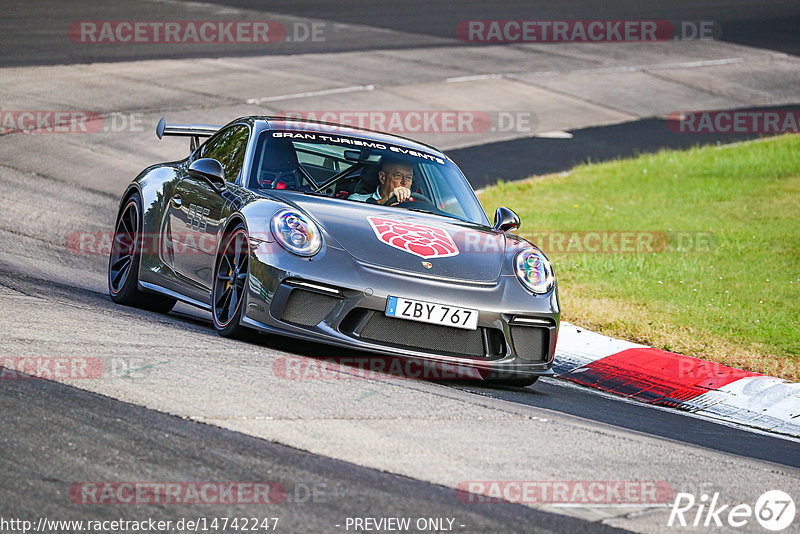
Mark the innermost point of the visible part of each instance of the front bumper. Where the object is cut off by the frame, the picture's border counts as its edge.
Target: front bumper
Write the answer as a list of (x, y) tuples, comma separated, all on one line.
[(332, 298)]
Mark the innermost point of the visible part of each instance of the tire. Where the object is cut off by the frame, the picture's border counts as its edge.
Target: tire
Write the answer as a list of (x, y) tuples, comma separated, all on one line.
[(230, 283), (124, 259)]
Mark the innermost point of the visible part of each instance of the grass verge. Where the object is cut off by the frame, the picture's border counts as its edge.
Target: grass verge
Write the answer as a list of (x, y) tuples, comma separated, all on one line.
[(695, 252)]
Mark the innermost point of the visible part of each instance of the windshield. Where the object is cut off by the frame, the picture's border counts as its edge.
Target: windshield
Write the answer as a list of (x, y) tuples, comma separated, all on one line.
[(362, 170)]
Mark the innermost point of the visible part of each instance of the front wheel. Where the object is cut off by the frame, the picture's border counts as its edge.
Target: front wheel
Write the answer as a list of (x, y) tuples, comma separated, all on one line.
[(230, 283), (123, 262)]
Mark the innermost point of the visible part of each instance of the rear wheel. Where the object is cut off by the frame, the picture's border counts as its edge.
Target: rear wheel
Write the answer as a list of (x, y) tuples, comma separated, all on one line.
[(230, 283), (123, 262)]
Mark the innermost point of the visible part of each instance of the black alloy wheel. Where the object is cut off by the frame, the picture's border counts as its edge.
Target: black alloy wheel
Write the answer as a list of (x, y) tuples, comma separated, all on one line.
[(124, 259), (230, 283)]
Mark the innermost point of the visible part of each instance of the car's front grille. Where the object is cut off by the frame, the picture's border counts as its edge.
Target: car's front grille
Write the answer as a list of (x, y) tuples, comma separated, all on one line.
[(530, 342), (423, 336), (307, 308)]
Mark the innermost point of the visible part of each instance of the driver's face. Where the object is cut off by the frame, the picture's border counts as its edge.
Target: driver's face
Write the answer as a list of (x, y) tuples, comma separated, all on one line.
[(393, 176)]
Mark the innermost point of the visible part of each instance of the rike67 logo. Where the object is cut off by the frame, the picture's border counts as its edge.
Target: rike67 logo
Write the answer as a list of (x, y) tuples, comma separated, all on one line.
[(774, 510)]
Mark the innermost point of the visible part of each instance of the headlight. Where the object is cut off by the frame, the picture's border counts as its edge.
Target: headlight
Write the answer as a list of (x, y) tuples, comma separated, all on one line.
[(534, 270), (296, 232)]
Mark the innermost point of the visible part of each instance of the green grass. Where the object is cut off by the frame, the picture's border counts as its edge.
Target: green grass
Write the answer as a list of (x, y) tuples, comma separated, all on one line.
[(734, 297)]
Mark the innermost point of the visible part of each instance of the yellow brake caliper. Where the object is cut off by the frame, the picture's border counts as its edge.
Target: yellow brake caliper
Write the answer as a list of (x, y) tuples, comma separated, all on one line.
[(230, 273)]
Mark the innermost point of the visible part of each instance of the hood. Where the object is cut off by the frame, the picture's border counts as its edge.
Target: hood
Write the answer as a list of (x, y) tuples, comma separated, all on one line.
[(405, 240)]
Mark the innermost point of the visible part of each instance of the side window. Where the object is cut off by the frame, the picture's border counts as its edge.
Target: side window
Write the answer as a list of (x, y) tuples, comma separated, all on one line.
[(228, 147)]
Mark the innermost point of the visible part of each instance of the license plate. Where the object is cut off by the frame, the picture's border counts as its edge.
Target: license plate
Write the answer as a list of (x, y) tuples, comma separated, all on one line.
[(428, 312)]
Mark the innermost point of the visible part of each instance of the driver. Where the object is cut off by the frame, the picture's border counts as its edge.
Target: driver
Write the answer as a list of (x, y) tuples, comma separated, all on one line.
[(395, 178)]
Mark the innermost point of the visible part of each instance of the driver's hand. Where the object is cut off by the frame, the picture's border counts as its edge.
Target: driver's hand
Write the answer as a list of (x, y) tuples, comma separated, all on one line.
[(403, 194)]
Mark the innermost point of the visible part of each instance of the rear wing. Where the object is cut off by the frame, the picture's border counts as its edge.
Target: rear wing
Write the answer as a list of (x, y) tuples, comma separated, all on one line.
[(195, 131)]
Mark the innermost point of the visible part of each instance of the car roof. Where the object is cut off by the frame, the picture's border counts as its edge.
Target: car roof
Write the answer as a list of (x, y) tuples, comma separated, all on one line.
[(298, 125)]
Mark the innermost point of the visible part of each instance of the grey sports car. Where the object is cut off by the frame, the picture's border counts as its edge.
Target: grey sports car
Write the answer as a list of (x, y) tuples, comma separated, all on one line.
[(337, 235)]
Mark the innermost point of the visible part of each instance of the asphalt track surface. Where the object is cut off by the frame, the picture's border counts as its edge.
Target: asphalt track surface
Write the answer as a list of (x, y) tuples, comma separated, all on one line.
[(96, 436), (32, 32), (190, 406), (519, 158), (769, 25), (56, 435)]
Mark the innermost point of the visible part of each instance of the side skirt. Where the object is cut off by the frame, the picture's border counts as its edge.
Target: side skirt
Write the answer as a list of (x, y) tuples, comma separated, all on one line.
[(149, 286)]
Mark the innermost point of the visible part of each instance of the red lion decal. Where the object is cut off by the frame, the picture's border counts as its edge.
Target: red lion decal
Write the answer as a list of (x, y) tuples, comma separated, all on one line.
[(418, 239)]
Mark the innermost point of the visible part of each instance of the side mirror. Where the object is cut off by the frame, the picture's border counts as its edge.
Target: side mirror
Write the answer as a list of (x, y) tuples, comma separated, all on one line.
[(505, 220), (210, 170)]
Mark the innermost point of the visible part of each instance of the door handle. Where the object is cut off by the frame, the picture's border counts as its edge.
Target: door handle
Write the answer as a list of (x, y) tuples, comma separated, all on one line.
[(176, 201)]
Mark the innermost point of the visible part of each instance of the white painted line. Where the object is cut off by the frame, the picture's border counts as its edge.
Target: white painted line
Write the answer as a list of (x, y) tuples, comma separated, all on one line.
[(703, 63), (661, 66), (556, 134), (608, 70), (340, 90), (526, 76)]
